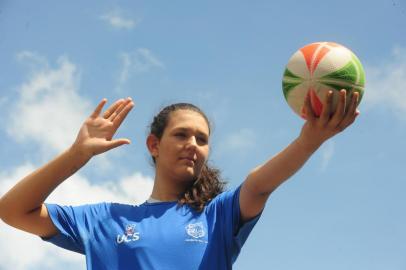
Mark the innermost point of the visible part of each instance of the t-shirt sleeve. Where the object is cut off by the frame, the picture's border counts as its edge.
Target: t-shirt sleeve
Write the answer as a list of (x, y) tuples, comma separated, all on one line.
[(74, 224), (236, 232)]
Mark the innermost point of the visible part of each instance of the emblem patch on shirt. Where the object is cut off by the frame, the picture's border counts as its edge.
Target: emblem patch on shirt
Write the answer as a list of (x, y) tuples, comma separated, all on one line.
[(129, 235), (196, 231)]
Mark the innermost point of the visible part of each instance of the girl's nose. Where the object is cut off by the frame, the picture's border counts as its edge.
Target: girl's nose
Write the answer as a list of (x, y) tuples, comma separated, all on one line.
[(192, 142)]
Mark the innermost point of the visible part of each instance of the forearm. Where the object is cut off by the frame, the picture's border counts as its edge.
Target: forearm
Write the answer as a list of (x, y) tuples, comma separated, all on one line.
[(267, 177), (30, 192)]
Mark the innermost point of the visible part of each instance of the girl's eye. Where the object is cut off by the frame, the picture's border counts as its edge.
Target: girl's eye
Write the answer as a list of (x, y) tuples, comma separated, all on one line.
[(202, 140), (180, 135)]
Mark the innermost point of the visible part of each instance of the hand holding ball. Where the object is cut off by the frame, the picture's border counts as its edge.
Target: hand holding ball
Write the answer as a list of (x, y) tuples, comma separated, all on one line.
[(318, 68)]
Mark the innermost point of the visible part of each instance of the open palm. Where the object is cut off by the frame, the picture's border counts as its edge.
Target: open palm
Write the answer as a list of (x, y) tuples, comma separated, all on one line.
[(96, 134)]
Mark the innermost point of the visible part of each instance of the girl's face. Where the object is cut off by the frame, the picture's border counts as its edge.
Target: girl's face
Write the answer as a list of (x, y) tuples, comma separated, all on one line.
[(184, 146)]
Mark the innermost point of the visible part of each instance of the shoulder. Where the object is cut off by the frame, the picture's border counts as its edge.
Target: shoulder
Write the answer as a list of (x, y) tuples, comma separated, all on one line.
[(225, 199), (227, 195)]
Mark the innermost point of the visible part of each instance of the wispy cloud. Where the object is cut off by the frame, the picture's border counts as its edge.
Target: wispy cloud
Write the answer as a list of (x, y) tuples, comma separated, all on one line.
[(117, 19), (32, 60), (326, 152), (49, 110), (386, 83), (138, 61)]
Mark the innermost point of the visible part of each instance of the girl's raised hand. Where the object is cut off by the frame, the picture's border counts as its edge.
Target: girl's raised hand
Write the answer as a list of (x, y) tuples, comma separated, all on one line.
[(96, 134), (316, 130)]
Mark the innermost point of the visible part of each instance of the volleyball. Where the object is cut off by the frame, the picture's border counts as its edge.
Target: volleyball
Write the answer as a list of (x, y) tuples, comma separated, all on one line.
[(318, 68)]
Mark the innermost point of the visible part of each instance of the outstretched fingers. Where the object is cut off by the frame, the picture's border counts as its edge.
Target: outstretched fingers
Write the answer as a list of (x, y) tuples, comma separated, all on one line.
[(325, 114), (310, 115), (98, 109), (116, 113), (340, 111), (110, 111), (117, 108), (351, 113), (122, 112)]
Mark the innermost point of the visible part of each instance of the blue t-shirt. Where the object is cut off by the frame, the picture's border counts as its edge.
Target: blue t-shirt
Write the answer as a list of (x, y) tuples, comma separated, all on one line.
[(161, 235)]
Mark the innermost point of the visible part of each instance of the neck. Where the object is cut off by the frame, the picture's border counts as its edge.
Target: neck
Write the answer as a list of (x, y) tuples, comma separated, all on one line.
[(166, 189)]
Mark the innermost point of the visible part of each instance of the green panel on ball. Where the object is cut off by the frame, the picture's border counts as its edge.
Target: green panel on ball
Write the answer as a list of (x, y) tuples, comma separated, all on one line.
[(347, 73), (290, 74), (290, 81), (361, 72), (287, 86), (335, 86)]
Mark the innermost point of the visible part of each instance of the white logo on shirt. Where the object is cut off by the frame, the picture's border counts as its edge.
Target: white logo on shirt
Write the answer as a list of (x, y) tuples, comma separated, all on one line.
[(129, 235), (196, 230)]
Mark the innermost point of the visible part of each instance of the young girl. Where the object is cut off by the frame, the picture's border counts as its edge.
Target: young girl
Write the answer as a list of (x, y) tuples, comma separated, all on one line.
[(188, 222)]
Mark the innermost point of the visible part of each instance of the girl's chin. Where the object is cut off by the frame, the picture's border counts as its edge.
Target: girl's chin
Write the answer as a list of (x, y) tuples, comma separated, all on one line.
[(187, 175)]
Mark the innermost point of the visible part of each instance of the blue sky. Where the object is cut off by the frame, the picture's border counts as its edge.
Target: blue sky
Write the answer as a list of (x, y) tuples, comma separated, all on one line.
[(343, 210)]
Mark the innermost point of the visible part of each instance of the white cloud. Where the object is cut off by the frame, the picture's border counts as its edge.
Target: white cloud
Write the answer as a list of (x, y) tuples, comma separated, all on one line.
[(117, 19), (76, 190), (21, 251), (49, 110), (386, 84), (24, 251), (138, 61), (133, 189)]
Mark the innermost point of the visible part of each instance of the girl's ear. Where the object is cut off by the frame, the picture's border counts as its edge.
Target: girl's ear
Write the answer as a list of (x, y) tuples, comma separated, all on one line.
[(153, 145)]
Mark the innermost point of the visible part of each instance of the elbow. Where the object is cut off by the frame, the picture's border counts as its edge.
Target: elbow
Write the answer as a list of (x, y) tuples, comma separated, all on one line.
[(255, 186), (4, 212), (2, 209)]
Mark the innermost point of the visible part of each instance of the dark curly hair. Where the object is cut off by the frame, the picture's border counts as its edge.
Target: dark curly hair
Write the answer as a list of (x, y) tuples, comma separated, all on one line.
[(208, 183)]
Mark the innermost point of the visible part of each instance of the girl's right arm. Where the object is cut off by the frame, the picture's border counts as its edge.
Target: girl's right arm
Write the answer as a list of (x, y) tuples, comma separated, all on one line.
[(23, 206)]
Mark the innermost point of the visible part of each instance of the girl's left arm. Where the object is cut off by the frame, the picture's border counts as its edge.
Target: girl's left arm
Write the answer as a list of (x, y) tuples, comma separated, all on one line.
[(264, 179)]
